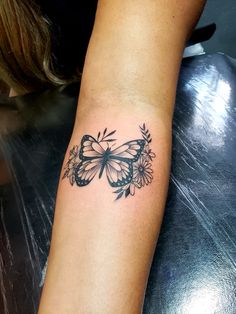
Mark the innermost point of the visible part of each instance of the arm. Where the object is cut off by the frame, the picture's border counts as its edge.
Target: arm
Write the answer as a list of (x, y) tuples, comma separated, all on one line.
[(101, 249)]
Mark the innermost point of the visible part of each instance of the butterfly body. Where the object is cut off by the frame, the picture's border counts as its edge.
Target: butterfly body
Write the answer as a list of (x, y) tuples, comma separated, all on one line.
[(105, 159), (98, 157)]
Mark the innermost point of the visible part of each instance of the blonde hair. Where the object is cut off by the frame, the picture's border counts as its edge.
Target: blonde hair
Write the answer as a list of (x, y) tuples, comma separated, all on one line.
[(25, 47)]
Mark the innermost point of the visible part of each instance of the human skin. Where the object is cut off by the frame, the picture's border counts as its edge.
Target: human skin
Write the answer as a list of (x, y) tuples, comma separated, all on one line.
[(101, 249)]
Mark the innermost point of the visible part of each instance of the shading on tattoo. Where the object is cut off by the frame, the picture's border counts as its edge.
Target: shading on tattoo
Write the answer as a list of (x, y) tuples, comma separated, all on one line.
[(127, 167)]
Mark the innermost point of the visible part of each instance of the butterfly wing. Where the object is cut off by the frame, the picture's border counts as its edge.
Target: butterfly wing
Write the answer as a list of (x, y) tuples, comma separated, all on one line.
[(119, 172), (130, 150), (90, 148), (86, 171), (119, 168), (91, 154)]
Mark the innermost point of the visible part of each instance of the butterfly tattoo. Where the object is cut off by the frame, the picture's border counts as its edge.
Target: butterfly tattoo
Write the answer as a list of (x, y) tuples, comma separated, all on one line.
[(126, 167)]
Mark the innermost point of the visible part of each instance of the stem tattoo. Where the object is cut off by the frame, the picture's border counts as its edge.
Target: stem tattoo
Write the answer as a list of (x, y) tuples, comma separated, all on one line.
[(127, 167)]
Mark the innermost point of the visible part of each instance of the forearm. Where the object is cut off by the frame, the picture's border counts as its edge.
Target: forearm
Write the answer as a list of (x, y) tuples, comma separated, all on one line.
[(136, 49), (101, 247)]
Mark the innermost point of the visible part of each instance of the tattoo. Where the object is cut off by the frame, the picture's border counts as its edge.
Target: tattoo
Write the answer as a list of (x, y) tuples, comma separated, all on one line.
[(127, 167)]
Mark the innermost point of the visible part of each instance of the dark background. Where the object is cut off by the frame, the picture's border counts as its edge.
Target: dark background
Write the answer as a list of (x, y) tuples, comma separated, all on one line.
[(223, 13)]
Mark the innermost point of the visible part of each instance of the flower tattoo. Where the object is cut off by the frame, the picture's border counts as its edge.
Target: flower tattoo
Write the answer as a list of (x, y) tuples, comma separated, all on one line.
[(142, 174), (127, 167)]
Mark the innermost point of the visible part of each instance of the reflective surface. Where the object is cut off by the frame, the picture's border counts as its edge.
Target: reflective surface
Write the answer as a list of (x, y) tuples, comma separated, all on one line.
[(223, 14), (194, 268)]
